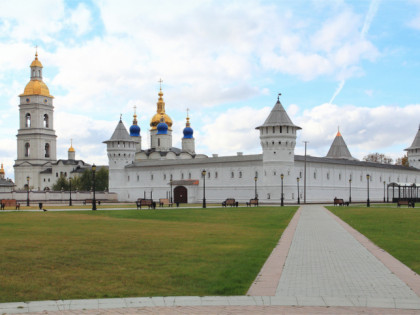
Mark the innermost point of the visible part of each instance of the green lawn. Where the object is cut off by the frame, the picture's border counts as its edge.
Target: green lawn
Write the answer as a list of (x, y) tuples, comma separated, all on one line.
[(397, 230), (73, 255)]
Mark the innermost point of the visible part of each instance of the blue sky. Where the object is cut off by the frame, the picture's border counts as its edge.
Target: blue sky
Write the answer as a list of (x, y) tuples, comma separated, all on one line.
[(348, 64)]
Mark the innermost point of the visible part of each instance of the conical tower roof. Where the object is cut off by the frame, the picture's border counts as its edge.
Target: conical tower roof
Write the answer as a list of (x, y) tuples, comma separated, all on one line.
[(416, 142), (120, 133), (339, 149), (278, 117)]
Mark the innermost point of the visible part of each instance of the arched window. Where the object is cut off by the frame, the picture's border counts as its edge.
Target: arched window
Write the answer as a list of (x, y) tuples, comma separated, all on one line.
[(28, 120), (46, 125), (27, 149), (47, 150)]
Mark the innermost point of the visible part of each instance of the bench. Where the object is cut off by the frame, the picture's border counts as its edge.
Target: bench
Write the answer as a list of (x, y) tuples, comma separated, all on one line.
[(87, 201), (230, 202), (339, 202), (405, 202), (9, 203), (163, 202), (145, 202), (252, 202)]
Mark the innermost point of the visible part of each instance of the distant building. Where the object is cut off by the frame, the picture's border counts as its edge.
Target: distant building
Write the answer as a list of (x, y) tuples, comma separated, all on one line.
[(36, 138), (163, 171), (6, 184)]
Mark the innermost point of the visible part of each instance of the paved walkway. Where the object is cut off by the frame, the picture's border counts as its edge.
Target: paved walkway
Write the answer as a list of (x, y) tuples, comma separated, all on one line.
[(320, 266)]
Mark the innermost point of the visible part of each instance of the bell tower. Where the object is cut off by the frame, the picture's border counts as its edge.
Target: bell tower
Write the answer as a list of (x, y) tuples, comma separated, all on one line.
[(36, 138)]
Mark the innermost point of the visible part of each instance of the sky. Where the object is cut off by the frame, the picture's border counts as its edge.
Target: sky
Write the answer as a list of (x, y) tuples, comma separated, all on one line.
[(352, 65)]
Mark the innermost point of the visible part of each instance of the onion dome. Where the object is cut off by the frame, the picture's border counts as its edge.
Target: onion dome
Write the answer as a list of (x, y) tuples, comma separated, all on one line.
[(188, 131), (160, 108), (71, 149), (2, 170), (36, 86), (135, 129), (162, 127)]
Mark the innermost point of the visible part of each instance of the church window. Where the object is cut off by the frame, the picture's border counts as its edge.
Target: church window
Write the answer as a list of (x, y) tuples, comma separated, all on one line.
[(189, 175), (240, 174), (281, 129), (28, 120), (287, 129), (274, 129), (266, 130), (232, 175), (27, 149), (33, 73), (46, 121), (47, 150), (39, 73)]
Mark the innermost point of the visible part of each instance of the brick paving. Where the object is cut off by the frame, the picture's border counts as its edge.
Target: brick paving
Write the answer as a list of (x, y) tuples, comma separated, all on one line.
[(320, 266)]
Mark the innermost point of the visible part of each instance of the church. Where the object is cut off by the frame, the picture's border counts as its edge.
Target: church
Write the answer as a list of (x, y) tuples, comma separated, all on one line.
[(277, 175), (36, 165)]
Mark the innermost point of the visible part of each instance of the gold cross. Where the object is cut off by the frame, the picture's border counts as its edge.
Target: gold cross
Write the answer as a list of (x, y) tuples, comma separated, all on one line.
[(135, 108), (160, 83), (188, 112)]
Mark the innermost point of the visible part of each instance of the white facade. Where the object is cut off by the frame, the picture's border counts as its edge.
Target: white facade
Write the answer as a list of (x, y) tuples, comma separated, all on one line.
[(155, 173), (36, 138)]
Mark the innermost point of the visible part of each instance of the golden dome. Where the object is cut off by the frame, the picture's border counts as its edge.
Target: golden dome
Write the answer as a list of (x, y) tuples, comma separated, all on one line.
[(2, 169), (71, 149), (159, 112), (36, 87), (36, 62)]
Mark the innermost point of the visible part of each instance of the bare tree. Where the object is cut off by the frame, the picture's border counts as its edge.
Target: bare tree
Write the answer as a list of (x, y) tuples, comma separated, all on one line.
[(378, 158)]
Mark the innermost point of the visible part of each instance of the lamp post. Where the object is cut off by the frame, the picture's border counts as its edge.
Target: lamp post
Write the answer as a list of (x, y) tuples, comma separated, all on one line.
[(203, 173), (350, 190), (384, 191), (368, 201), (94, 187), (170, 183), (297, 179), (282, 199), (70, 203), (27, 190), (255, 180)]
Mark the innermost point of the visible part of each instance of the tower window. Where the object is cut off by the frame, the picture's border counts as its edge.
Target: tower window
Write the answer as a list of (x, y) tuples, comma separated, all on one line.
[(232, 175), (28, 120), (27, 149), (287, 130), (274, 129), (47, 150), (281, 129), (158, 142), (189, 175), (215, 175), (46, 125), (240, 174)]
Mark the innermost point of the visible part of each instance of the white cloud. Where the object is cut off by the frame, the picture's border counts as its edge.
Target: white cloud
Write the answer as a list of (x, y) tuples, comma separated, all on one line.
[(364, 129), (80, 19)]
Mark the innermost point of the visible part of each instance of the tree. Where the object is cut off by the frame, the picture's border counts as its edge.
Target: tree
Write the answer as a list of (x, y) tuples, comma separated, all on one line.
[(402, 161), (61, 184), (101, 179), (378, 158)]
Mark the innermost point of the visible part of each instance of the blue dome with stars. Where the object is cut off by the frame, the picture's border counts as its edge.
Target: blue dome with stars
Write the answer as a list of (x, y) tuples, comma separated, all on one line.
[(162, 128), (188, 133), (135, 131)]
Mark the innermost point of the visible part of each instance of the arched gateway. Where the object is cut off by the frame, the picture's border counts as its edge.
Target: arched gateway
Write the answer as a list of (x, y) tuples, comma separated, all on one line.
[(180, 194)]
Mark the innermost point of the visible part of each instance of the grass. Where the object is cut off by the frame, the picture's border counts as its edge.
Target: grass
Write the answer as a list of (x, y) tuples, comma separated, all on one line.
[(88, 254), (396, 230)]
